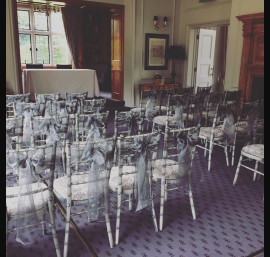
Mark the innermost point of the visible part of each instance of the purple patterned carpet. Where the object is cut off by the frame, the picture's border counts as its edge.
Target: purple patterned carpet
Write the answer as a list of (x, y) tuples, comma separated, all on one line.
[(230, 221)]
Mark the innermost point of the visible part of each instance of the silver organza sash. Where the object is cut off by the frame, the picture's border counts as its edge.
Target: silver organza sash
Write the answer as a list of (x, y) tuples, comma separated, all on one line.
[(31, 193), (186, 142), (133, 120), (97, 156), (143, 147)]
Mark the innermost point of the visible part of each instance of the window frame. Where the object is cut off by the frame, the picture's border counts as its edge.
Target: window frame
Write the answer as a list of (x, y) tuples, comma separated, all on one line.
[(32, 32)]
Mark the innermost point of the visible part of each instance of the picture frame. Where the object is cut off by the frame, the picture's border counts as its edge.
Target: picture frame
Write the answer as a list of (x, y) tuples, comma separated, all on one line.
[(156, 51)]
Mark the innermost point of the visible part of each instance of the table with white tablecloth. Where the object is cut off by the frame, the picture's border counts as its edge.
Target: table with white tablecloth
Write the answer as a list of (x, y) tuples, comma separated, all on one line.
[(47, 81)]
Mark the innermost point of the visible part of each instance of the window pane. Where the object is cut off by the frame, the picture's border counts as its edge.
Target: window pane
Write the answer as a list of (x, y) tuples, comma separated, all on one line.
[(41, 21), (60, 49), (42, 45), (25, 45), (23, 20), (57, 23)]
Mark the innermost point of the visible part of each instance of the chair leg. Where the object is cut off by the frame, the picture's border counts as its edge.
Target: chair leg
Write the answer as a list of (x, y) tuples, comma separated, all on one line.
[(52, 220), (205, 147), (210, 155), (130, 201), (238, 169), (165, 191), (226, 155), (162, 196), (152, 205), (107, 218), (118, 213), (191, 203), (67, 230), (256, 168), (233, 152)]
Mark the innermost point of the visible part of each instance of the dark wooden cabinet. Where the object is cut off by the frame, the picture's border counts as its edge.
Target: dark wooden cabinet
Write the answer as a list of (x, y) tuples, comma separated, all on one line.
[(252, 64)]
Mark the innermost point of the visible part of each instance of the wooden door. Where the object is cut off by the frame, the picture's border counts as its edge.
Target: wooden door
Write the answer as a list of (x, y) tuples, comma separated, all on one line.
[(117, 54), (206, 50)]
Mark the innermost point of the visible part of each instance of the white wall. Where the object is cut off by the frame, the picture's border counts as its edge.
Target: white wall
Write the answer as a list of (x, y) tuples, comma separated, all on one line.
[(235, 39)]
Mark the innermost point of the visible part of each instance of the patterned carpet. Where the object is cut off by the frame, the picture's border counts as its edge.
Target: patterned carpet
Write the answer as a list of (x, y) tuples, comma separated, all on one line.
[(230, 221)]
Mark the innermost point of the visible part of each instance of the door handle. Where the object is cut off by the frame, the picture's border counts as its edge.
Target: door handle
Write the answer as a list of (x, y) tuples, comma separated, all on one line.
[(211, 71)]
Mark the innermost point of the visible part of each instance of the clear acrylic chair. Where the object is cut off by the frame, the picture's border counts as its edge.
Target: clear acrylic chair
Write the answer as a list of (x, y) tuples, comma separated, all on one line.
[(86, 183), (173, 171), (131, 173), (29, 194)]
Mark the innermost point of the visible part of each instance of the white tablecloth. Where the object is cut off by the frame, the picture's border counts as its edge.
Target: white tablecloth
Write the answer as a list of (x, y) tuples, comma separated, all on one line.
[(47, 81)]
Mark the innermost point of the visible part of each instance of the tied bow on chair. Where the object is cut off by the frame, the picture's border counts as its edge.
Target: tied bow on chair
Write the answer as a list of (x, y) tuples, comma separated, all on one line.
[(143, 147), (94, 124), (74, 104), (186, 142), (97, 157), (134, 120), (150, 109), (51, 127), (29, 184)]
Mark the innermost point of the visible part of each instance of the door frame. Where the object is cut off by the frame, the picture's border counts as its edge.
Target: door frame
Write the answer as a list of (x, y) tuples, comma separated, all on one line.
[(192, 49)]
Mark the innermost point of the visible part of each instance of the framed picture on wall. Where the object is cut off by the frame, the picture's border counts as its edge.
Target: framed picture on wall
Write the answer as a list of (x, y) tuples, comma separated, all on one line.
[(156, 51)]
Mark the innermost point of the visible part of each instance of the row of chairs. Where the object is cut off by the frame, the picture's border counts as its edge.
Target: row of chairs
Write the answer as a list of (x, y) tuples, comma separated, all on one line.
[(121, 174)]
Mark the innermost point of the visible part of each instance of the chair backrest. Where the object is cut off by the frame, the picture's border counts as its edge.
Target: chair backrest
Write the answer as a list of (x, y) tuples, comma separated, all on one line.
[(146, 95), (133, 151), (80, 158), (94, 105), (14, 132), (128, 123), (10, 110), (42, 98), (248, 122), (205, 90), (185, 90), (34, 66), (232, 96), (47, 130), (63, 66), (179, 147), (81, 96), (96, 124), (18, 98)]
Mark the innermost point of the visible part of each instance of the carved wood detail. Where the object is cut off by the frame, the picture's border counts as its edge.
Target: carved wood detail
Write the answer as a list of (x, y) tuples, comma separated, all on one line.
[(252, 63)]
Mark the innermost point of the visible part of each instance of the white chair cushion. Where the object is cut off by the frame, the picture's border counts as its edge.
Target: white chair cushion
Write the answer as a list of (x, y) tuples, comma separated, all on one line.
[(128, 180), (137, 109), (205, 132), (79, 192), (161, 120), (256, 150), (40, 199), (171, 169)]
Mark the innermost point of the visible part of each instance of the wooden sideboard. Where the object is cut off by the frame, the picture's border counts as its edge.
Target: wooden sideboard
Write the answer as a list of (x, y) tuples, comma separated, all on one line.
[(158, 87)]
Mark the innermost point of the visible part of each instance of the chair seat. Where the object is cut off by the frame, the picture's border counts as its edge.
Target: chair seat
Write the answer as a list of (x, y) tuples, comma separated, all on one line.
[(161, 119), (163, 109), (171, 169), (242, 126), (128, 180), (205, 132), (40, 199), (256, 150), (209, 114), (79, 192)]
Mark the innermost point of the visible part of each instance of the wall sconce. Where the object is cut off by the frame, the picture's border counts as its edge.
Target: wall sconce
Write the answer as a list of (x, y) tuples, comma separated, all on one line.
[(160, 25)]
